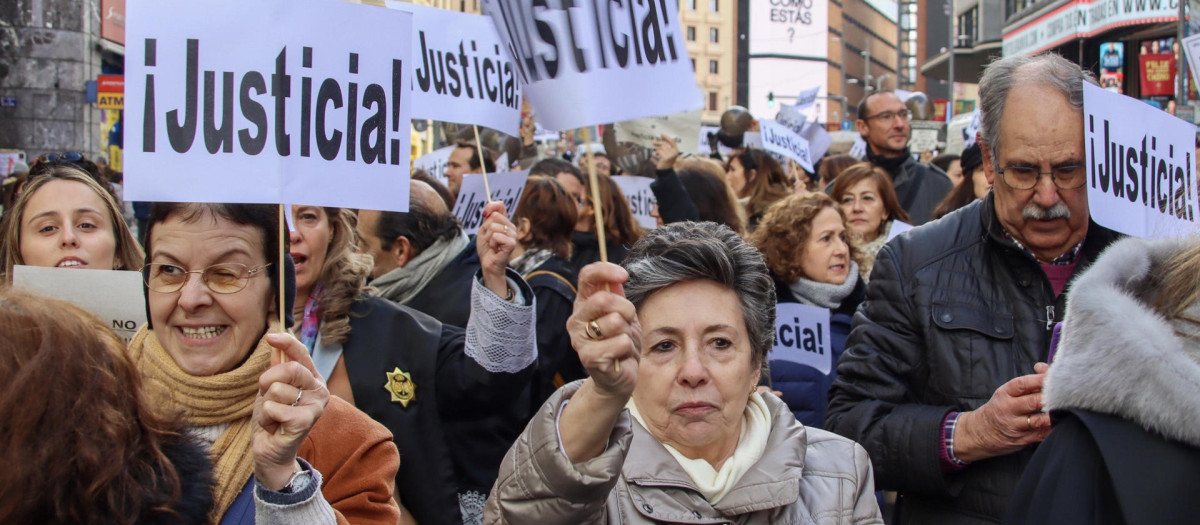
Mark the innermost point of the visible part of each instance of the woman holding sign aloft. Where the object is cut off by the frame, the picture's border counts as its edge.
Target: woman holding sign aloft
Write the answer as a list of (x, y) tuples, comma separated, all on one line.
[(669, 425), (804, 241)]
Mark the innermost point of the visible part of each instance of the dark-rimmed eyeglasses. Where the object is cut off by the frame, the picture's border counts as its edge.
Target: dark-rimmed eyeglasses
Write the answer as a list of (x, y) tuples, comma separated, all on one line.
[(888, 116), (224, 278), (1026, 177)]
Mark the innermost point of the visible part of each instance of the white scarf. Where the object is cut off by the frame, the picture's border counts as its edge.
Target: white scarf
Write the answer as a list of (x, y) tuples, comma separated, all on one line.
[(715, 484), (402, 284)]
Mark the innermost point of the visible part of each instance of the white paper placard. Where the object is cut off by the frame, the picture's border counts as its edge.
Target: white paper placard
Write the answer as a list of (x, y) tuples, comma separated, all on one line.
[(960, 132), (683, 127), (434, 163), (268, 101), (802, 336), (640, 197), (1141, 166), (593, 61), (114, 296), (777, 138), (858, 150), (460, 71), (506, 187), (792, 118), (897, 228), (924, 136), (807, 98), (818, 139)]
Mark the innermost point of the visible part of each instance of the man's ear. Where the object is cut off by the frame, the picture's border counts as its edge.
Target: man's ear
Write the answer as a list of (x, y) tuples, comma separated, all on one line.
[(402, 251), (861, 126), (989, 167)]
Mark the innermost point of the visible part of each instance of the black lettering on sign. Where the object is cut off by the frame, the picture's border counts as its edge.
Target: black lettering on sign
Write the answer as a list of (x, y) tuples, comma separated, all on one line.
[(366, 140), (1141, 173), (794, 336), (545, 37)]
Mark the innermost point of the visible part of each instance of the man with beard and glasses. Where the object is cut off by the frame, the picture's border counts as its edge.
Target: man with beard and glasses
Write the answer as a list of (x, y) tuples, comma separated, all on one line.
[(942, 374)]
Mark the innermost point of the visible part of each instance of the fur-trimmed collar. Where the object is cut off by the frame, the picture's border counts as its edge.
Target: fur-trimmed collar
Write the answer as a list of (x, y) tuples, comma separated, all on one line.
[(1119, 357)]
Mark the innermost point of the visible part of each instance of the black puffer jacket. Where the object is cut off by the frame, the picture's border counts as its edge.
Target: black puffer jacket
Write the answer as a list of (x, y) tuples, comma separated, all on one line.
[(953, 311)]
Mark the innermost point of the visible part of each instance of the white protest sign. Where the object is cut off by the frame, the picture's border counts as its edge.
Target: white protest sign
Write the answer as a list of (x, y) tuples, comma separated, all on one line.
[(640, 197), (924, 135), (506, 187), (114, 296), (683, 127), (818, 139), (502, 162), (960, 132), (1141, 176), (269, 101), (858, 150), (807, 98), (434, 162), (460, 71), (777, 138), (897, 228), (802, 336), (1191, 48), (791, 117), (594, 61)]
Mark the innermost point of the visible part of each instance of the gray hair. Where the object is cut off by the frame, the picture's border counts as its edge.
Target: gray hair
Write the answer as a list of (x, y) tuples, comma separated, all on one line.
[(1003, 74), (688, 251)]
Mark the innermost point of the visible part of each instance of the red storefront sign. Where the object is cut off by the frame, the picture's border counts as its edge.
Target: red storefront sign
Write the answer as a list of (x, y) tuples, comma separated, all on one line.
[(110, 83), (1157, 74)]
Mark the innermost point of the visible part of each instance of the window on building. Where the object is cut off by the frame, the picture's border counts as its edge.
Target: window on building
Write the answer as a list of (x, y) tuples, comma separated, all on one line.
[(713, 5), (968, 28), (713, 36), (713, 67), (712, 100), (691, 33), (692, 5), (693, 65)]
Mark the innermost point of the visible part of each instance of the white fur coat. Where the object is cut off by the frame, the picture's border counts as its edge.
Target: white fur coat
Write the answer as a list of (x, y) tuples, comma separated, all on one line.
[(1119, 357)]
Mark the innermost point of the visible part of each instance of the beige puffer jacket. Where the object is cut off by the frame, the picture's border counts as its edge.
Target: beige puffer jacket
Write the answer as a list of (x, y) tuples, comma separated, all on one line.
[(806, 476)]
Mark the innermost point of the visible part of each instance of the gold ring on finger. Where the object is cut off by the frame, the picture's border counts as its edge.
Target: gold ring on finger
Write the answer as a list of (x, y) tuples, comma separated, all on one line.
[(1029, 421), (593, 330)]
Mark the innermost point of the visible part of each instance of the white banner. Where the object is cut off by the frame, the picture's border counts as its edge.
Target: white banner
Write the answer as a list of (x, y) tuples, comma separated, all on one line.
[(506, 187), (897, 228), (791, 117), (818, 139), (114, 296), (807, 97), (777, 138), (683, 127), (960, 132), (641, 198), (270, 101), (1191, 48), (924, 135), (859, 149), (594, 61), (1141, 169), (802, 336), (434, 163), (460, 72)]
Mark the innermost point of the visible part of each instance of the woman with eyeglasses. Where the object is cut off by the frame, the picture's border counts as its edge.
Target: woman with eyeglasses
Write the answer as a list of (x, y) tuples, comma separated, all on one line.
[(865, 193), (64, 218), (284, 450)]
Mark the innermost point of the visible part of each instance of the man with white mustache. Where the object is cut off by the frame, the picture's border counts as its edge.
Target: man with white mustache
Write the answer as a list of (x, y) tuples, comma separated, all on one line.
[(942, 374)]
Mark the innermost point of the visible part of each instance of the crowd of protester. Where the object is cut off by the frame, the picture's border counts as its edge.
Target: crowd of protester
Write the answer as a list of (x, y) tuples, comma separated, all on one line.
[(390, 368)]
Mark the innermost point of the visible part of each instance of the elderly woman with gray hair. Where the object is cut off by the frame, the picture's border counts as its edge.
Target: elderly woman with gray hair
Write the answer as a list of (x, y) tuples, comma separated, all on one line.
[(669, 427)]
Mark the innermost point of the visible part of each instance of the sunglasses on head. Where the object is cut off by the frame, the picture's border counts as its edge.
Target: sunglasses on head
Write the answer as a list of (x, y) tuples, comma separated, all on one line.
[(70, 156)]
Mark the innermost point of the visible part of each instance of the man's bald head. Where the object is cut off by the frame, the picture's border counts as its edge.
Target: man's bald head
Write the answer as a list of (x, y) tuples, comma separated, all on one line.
[(420, 193), (426, 222)]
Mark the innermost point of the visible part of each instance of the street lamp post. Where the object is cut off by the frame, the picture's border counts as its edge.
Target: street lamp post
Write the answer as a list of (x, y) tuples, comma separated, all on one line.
[(953, 42)]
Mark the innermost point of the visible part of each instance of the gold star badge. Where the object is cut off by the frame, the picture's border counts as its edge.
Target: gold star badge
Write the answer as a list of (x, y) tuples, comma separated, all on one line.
[(401, 386)]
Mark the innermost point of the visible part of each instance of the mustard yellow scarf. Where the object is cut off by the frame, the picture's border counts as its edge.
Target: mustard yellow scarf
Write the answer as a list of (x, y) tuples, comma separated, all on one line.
[(208, 401)]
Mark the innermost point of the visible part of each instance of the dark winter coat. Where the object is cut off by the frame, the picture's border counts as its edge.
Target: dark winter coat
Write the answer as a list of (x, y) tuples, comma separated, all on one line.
[(194, 469), (1122, 393), (554, 287), (805, 389), (919, 187), (953, 311), (586, 250), (455, 431), (447, 297)]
